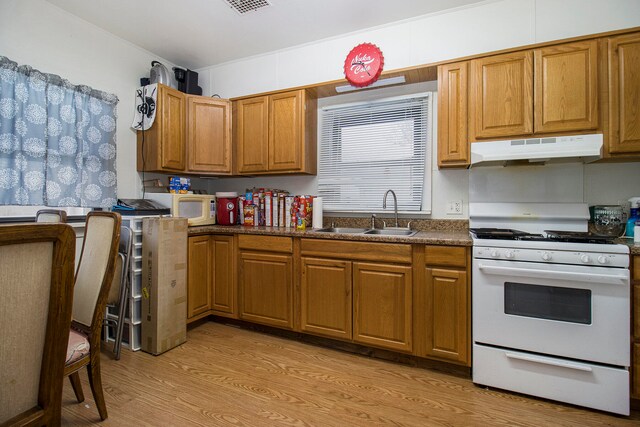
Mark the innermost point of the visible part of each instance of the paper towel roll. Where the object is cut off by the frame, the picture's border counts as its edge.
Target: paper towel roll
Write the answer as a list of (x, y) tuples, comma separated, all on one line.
[(316, 219)]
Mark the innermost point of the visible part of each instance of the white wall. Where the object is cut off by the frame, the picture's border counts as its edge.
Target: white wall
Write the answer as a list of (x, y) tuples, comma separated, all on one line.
[(36, 33), (484, 27)]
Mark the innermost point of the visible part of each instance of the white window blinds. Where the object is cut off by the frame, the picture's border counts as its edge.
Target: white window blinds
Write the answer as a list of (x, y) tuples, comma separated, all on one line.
[(369, 148)]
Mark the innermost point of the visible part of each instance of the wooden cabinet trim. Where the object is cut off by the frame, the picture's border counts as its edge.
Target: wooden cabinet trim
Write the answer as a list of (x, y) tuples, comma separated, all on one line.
[(357, 251), (266, 243)]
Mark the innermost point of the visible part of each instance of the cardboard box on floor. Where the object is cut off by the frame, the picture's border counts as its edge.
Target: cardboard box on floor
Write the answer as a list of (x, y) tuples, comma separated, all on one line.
[(164, 284)]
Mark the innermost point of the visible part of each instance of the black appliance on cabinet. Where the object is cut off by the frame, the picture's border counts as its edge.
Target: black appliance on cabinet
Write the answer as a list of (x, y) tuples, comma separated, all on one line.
[(187, 81)]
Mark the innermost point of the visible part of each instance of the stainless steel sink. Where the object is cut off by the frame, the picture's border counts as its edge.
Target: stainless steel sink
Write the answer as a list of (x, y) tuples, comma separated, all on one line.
[(344, 230), (391, 232)]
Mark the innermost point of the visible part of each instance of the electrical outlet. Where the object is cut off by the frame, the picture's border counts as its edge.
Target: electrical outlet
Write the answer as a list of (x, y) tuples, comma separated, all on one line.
[(454, 207)]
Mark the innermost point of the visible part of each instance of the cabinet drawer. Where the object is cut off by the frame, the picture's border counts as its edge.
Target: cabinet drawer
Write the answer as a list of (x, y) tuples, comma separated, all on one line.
[(450, 256), (266, 243), (357, 251)]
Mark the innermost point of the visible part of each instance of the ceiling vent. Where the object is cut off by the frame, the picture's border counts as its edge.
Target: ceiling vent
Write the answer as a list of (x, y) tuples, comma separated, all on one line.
[(244, 6)]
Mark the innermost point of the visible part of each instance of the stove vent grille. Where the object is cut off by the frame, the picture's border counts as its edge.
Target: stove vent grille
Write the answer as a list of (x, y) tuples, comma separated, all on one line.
[(244, 6)]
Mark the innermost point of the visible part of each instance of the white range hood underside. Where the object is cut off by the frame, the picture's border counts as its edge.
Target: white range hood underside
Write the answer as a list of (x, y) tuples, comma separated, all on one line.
[(578, 148)]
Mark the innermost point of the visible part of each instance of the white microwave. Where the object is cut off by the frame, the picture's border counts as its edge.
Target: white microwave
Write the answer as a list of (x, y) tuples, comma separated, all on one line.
[(199, 209)]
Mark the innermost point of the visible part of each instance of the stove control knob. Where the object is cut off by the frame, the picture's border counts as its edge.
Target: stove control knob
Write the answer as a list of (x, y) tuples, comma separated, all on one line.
[(603, 259), (546, 256), (495, 254), (585, 259), (509, 254)]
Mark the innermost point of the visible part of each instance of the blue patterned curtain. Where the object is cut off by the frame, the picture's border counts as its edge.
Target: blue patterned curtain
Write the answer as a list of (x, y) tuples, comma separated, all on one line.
[(57, 140)]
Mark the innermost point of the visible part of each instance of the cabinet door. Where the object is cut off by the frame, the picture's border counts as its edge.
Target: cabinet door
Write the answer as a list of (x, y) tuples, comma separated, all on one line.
[(172, 114), (447, 297), (382, 305), (286, 131), (208, 135), (502, 95), (199, 275), (453, 142), (266, 283), (252, 134), (566, 87), (223, 295), (326, 297), (624, 94)]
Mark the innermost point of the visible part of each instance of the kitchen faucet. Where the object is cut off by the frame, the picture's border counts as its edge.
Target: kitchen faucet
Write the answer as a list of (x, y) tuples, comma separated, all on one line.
[(395, 204)]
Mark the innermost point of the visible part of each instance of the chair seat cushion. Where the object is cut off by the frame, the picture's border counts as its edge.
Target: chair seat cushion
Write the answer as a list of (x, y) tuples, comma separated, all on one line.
[(78, 347)]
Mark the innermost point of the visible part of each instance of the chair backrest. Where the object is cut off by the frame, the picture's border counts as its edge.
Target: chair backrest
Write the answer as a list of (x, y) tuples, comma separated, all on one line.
[(122, 264), (36, 285), (95, 271), (51, 215)]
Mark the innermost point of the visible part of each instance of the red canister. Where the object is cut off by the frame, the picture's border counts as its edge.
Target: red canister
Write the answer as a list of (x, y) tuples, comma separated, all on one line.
[(227, 208)]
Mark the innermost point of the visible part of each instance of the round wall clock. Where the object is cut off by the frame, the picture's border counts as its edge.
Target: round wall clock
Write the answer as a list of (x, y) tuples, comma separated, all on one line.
[(363, 64)]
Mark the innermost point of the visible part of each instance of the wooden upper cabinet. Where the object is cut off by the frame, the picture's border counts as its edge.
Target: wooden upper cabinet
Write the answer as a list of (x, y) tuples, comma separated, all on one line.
[(453, 141), (208, 135), (502, 95), (252, 134), (277, 133), (624, 94), (566, 87), (162, 147), (286, 130)]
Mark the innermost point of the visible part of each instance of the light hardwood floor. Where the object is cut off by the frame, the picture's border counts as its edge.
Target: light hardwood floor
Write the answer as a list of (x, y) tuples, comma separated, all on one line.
[(224, 376)]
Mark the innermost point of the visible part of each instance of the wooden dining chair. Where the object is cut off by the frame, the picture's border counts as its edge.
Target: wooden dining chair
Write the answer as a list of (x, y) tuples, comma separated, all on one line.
[(36, 284), (92, 282), (51, 215)]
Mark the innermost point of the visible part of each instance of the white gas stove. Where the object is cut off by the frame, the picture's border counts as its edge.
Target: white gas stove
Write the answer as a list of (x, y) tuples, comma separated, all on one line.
[(550, 308)]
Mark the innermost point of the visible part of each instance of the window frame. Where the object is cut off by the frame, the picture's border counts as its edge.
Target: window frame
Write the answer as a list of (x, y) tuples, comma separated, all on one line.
[(427, 194)]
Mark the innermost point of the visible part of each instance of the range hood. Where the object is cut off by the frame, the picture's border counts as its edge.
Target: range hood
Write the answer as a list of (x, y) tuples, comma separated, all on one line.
[(577, 148)]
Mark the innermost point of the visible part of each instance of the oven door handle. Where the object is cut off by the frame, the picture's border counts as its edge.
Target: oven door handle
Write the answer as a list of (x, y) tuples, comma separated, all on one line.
[(544, 361), (608, 279)]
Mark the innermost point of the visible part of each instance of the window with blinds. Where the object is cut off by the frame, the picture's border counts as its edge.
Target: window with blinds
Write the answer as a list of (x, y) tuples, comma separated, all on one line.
[(369, 148)]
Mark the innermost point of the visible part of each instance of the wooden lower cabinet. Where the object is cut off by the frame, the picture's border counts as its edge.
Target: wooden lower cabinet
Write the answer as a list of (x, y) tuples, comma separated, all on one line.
[(382, 305), (224, 295), (266, 287), (199, 263), (443, 304), (325, 297), (211, 284)]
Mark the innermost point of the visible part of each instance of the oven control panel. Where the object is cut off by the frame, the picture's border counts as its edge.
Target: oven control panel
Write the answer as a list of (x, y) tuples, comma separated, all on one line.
[(595, 259)]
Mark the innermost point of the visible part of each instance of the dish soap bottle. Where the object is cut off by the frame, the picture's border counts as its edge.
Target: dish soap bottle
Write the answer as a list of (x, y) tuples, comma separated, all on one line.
[(634, 216)]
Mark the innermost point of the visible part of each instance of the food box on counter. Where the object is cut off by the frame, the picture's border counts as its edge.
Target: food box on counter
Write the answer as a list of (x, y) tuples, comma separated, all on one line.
[(164, 284)]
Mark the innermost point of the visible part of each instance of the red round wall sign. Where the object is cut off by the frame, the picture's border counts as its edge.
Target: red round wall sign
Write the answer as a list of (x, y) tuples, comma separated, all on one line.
[(363, 64)]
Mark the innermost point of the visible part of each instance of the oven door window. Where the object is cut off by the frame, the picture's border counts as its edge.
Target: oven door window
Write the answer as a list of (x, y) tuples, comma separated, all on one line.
[(548, 302)]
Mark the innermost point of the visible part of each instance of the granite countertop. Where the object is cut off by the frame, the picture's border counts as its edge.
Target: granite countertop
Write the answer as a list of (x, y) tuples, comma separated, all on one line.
[(432, 237), (634, 248)]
